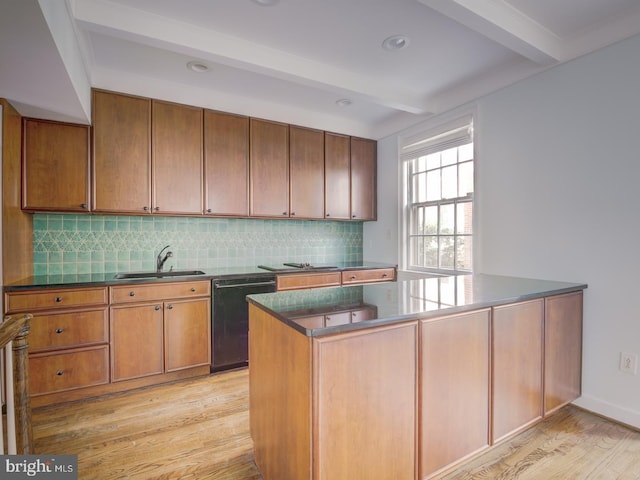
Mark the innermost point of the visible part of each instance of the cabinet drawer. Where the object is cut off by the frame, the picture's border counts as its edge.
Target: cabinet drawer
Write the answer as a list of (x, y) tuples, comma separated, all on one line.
[(53, 331), (54, 298), (308, 280), (366, 276), (56, 372), (159, 291)]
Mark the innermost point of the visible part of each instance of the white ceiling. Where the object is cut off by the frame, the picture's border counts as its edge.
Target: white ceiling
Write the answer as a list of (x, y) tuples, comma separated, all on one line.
[(292, 61)]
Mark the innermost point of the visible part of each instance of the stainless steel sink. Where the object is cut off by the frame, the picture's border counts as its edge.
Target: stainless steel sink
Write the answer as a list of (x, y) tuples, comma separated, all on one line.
[(170, 273)]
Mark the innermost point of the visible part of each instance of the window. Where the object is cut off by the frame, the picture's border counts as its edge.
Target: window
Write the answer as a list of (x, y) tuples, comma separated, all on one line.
[(439, 185)]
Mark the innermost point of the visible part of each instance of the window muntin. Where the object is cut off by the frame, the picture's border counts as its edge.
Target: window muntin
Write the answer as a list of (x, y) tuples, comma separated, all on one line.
[(440, 209)]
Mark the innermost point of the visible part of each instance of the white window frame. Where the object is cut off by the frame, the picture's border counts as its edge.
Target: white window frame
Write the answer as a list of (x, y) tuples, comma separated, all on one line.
[(436, 138)]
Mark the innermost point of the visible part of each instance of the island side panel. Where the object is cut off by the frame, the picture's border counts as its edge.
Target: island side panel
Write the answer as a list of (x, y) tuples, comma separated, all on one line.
[(365, 404), (279, 397), (563, 350), (454, 395)]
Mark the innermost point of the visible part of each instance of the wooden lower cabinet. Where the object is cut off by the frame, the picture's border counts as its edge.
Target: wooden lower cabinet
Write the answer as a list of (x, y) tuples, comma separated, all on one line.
[(454, 392), (563, 350), (517, 367), (341, 406), (136, 341), (95, 340), (176, 331)]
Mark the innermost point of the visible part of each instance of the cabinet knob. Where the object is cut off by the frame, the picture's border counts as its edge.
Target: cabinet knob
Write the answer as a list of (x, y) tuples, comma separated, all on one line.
[(284, 213), (58, 299), (193, 289), (353, 277), (59, 330), (83, 205), (209, 210), (145, 208), (293, 213), (132, 294), (170, 307), (327, 215), (59, 372), (157, 209), (353, 216), (384, 275), (157, 307)]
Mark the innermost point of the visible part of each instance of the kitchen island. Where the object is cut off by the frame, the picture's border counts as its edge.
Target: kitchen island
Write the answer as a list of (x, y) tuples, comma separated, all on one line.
[(406, 379)]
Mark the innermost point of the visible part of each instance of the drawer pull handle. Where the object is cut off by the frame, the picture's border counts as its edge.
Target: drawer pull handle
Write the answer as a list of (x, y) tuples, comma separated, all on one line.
[(170, 307), (353, 277), (59, 372), (157, 307), (58, 299), (132, 294), (59, 330), (384, 275), (193, 289)]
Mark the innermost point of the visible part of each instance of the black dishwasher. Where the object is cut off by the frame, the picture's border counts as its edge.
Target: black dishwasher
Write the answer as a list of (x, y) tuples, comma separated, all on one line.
[(230, 319)]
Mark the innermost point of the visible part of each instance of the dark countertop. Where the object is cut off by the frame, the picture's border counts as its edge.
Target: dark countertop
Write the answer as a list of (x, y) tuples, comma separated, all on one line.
[(106, 279), (403, 300)]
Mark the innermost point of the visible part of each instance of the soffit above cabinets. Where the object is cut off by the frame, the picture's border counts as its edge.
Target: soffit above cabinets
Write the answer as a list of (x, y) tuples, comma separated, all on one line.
[(294, 61)]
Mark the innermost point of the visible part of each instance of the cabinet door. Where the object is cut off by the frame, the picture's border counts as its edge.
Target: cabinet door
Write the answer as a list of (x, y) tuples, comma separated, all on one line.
[(517, 366), (226, 163), (306, 167), (563, 350), (337, 176), (187, 334), (365, 392), (121, 153), (454, 405), (269, 171), (177, 159), (363, 179), (136, 341), (55, 166)]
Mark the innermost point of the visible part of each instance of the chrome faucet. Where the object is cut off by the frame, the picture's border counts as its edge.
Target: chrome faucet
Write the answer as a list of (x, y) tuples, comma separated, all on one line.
[(161, 260)]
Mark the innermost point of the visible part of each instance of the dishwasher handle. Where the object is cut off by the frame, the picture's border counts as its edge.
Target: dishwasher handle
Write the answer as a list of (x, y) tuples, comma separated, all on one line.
[(239, 285)]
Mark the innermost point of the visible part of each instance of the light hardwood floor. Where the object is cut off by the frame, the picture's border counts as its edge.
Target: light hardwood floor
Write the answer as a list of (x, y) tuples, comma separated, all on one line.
[(199, 429)]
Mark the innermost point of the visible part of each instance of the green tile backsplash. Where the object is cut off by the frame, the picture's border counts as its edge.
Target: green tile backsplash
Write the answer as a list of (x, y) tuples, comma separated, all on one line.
[(80, 244)]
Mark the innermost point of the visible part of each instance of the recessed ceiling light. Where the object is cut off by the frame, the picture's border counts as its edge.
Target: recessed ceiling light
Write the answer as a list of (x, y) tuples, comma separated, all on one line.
[(197, 67), (343, 102), (396, 42), (266, 3)]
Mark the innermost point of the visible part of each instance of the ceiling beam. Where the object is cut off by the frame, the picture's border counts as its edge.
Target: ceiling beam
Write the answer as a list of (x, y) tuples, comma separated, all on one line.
[(500, 22), (154, 30)]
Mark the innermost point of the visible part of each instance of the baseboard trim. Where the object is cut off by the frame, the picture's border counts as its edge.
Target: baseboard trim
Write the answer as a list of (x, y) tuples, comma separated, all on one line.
[(617, 413)]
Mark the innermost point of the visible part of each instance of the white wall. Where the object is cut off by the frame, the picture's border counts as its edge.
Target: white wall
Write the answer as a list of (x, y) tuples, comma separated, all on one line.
[(558, 172)]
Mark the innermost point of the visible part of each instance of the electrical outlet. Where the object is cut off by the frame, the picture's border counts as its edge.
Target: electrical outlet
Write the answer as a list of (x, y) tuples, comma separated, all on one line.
[(629, 363)]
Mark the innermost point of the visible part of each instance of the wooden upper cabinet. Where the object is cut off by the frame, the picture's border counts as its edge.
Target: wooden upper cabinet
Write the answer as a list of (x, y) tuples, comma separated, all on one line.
[(177, 159), (306, 169), (226, 164), (121, 153), (337, 177), (269, 169), (363, 179), (55, 166)]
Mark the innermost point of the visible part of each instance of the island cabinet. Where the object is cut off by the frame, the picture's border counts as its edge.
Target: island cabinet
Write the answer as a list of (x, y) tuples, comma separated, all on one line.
[(517, 350), (454, 389), (69, 339), (172, 318), (345, 410), (269, 169), (177, 161), (306, 173), (55, 166), (226, 164), (562, 350), (121, 162)]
